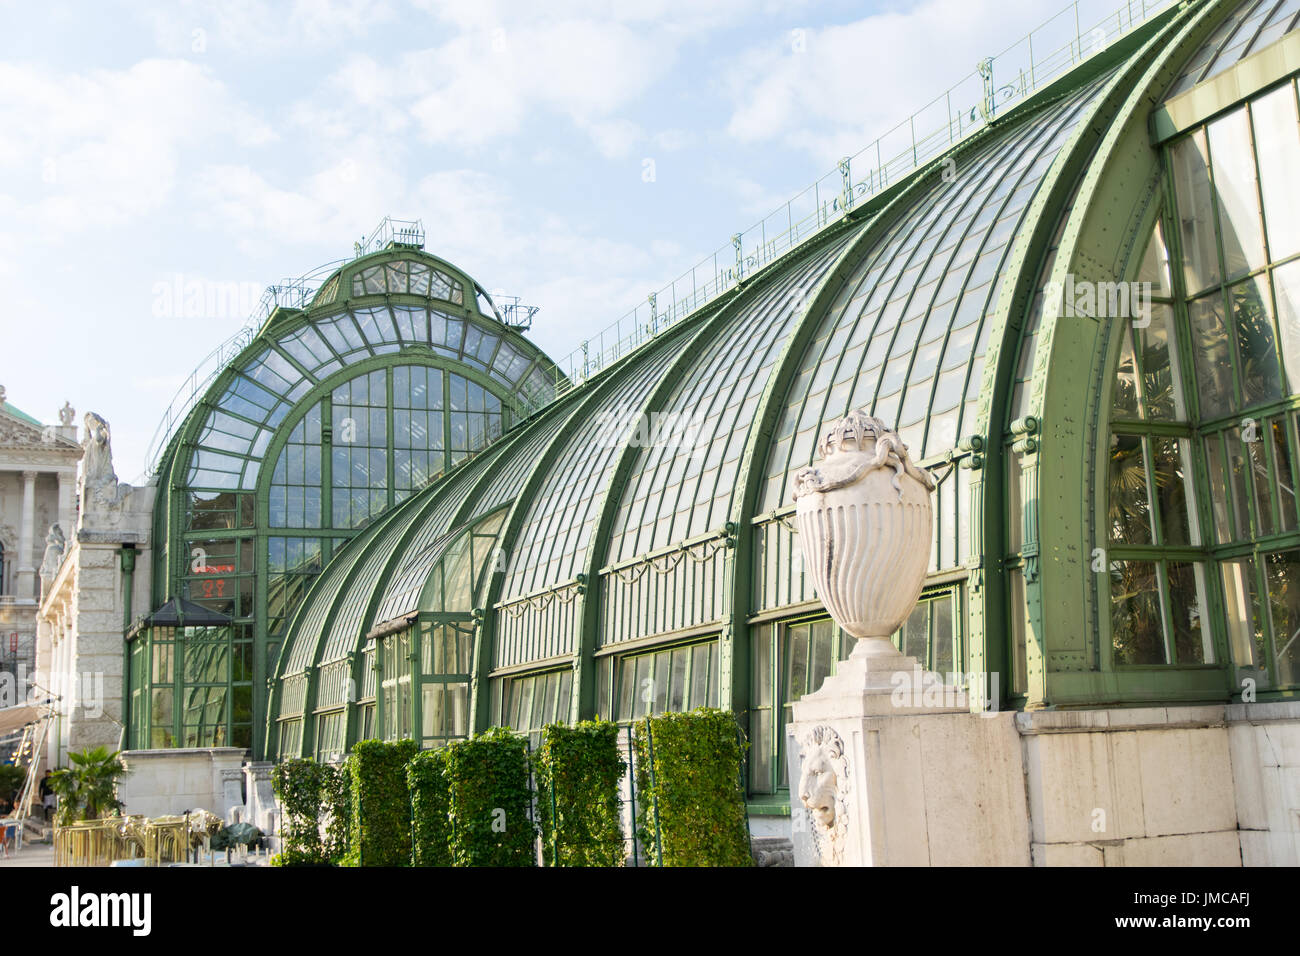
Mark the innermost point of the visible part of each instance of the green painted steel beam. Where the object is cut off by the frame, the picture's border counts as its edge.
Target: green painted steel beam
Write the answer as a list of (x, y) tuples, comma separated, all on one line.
[(583, 704), (1101, 242)]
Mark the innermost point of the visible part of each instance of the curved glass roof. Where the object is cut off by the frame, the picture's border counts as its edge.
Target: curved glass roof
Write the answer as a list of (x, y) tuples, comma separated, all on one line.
[(894, 310), (561, 517), (908, 331), (1248, 29), (683, 488)]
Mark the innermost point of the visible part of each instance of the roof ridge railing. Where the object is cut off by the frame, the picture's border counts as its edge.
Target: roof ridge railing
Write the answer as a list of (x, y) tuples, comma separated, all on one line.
[(289, 293), (893, 155), (980, 97)]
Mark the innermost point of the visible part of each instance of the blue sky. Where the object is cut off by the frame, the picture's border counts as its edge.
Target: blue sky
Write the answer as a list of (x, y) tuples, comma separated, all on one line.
[(245, 141)]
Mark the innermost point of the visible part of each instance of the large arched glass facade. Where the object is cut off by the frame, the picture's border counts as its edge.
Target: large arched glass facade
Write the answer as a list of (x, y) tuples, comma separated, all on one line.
[(1106, 532), (333, 415), (1204, 416)]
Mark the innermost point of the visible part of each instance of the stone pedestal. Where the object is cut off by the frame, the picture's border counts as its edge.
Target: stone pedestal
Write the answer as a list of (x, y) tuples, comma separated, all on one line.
[(170, 782), (261, 809), (889, 768)]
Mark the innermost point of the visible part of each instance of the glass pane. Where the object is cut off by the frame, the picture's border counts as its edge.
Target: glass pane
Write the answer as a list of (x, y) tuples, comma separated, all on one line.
[(1212, 356), (699, 676), (1195, 212), (1241, 605), (1284, 608), (821, 653), (1286, 285), (916, 632), (431, 710), (1155, 265), (1130, 502), (1252, 318), (661, 668), (761, 666), (796, 662), (1277, 146), (942, 639), (627, 690), (760, 751), (1186, 614), (644, 693), (1240, 229), (1258, 455), (456, 709), (1017, 611), (1174, 490), (1238, 482), (1136, 630), (1162, 387), (1127, 402), (1218, 489), (677, 680), (563, 697), (1284, 485)]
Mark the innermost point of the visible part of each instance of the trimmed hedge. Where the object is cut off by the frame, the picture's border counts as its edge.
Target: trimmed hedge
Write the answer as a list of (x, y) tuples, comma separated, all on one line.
[(489, 800), (299, 786), (695, 800), (381, 803), (336, 809), (426, 775), (578, 770)]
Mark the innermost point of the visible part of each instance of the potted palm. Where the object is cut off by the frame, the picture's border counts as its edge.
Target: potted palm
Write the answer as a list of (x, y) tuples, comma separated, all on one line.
[(87, 790)]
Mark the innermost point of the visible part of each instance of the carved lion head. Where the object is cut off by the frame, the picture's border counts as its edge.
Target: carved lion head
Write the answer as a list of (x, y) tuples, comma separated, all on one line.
[(823, 789)]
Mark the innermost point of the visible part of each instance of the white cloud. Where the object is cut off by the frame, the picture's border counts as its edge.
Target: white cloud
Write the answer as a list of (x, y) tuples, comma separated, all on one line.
[(352, 191), (850, 83), (80, 151), (614, 139), (484, 84), (251, 28)]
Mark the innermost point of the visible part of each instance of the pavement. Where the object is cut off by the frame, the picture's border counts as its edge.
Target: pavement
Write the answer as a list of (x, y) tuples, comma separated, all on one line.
[(32, 854), (42, 854)]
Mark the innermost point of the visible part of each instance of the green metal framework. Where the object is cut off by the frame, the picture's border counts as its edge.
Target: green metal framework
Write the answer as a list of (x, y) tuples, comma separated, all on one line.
[(645, 558), (398, 371)]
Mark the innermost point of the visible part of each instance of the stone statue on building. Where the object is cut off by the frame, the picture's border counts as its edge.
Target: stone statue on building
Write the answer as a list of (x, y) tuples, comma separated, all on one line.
[(55, 543), (97, 463), (100, 493), (67, 414)]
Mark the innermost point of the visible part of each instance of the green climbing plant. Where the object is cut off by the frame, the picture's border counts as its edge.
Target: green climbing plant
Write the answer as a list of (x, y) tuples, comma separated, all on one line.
[(691, 808), (380, 834), (426, 776), (489, 800), (578, 770)]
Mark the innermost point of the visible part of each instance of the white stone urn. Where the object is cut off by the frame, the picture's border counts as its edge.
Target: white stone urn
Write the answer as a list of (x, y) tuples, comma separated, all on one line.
[(865, 526)]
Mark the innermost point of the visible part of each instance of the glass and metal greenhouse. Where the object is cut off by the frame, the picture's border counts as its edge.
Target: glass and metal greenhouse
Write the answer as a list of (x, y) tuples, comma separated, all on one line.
[(1083, 317)]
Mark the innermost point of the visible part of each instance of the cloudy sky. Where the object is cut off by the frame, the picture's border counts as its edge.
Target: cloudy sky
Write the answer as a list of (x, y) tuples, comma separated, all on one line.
[(142, 144)]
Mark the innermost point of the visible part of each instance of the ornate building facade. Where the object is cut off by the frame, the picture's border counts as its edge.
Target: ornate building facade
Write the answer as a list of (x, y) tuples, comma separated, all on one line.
[(38, 479)]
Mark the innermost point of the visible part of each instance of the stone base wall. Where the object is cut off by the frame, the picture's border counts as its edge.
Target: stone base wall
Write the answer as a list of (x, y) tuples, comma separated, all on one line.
[(1160, 786), (1134, 787), (1264, 742), (170, 782)]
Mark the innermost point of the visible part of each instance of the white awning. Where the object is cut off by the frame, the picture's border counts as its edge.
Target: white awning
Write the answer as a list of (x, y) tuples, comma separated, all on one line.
[(13, 718)]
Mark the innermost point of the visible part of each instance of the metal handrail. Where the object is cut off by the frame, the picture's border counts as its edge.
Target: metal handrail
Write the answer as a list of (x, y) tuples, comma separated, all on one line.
[(890, 157)]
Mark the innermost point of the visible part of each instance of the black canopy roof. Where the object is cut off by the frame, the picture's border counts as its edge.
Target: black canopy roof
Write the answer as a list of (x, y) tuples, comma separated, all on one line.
[(179, 612)]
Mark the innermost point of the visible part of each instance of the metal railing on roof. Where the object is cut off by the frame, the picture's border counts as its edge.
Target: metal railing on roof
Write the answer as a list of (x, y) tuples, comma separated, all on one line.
[(404, 232), (293, 293), (996, 84)]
